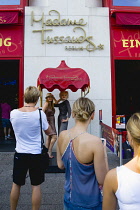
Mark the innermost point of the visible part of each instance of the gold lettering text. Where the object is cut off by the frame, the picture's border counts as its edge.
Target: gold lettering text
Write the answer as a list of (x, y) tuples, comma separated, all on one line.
[(125, 42), (137, 43), (6, 43), (132, 43), (56, 22)]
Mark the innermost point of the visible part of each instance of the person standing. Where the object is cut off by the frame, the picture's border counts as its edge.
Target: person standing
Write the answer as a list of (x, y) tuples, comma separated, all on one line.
[(1, 128), (84, 158), (122, 184), (6, 109), (26, 125), (64, 111), (49, 110)]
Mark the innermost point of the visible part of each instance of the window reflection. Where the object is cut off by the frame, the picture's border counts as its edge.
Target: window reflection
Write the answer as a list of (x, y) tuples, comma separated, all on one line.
[(135, 3), (9, 2)]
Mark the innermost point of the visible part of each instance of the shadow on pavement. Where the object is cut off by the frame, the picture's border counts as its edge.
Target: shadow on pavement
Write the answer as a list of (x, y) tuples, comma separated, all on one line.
[(7, 145)]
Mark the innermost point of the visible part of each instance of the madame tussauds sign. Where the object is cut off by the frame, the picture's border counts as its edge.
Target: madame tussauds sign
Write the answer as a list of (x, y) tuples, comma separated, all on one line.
[(58, 22)]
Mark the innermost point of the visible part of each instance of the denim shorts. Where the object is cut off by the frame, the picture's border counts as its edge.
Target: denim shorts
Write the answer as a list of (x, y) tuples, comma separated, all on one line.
[(27, 162), (6, 123), (71, 207)]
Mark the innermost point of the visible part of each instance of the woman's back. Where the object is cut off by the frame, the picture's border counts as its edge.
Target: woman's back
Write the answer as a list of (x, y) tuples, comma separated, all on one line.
[(26, 127), (83, 157), (81, 186), (128, 192), (83, 144)]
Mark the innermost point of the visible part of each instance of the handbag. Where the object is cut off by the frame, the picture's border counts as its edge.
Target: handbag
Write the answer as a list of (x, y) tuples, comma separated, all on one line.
[(44, 153)]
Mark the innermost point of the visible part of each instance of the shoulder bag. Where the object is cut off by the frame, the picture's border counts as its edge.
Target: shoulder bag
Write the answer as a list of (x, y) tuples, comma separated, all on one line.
[(44, 153)]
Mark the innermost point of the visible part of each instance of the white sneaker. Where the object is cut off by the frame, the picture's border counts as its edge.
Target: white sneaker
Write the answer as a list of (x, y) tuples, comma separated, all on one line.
[(9, 137)]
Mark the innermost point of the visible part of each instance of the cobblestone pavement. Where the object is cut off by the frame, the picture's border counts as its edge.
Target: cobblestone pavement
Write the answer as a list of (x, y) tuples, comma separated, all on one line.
[(52, 188)]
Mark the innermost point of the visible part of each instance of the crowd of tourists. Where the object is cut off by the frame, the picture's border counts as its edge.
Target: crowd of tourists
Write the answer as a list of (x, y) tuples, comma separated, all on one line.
[(89, 185)]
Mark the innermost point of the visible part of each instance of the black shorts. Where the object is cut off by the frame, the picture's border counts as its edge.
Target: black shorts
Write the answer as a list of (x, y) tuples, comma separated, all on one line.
[(27, 162)]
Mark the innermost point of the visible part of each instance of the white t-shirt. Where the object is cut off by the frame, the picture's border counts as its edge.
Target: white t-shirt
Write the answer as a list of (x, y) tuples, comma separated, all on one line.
[(26, 126), (128, 192)]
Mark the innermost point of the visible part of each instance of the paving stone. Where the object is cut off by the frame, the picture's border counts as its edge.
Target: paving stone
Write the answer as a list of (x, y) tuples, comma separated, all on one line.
[(52, 188)]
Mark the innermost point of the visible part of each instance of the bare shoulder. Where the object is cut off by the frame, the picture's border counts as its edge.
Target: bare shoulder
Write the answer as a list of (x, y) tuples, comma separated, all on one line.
[(63, 141), (45, 104), (94, 140), (63, 135), (111, 180), (93, 143), (112, 174)]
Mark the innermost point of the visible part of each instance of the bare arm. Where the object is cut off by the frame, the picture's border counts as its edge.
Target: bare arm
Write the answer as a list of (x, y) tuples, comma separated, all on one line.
[(109, 189), (100, 162), (48, 131), (59, 100), (45, 106), (105, 155), (59, 160), (56, 101)]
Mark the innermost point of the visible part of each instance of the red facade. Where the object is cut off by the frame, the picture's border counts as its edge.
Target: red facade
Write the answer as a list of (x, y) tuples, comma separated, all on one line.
[(125, 57), (11, 52)]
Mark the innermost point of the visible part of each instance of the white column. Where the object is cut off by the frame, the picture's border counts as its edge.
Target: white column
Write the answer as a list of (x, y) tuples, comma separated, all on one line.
[(38, 3), (93, 3)]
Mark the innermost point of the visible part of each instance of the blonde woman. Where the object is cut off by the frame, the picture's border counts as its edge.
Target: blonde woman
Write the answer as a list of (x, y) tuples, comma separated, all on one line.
[(123, 183), (84, 159), (26, 125), (49, 110)]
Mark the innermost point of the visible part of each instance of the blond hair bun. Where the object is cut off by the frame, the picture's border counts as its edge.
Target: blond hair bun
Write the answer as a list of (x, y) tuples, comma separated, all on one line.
[(83, 108)]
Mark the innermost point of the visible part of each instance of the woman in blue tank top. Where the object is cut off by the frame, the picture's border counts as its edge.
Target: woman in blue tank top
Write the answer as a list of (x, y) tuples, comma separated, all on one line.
[(84, 158)]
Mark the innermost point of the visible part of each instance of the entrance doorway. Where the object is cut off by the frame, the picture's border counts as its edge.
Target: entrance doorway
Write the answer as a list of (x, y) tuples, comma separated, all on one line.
[(9, 82), (9, 86), (127, 74)]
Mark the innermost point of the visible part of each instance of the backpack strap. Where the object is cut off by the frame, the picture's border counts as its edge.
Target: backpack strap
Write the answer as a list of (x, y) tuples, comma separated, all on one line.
[(70, 159)]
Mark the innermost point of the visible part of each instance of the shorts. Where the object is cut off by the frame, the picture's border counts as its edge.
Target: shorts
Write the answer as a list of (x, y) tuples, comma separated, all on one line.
[(72, 207), (6, 123), (27, 162)]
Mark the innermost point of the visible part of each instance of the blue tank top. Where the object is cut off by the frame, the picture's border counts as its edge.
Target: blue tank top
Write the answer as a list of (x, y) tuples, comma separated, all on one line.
[(81, 186)]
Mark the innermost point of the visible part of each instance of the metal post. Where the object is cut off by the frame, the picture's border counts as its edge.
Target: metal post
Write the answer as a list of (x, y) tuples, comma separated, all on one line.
[(120, 141)]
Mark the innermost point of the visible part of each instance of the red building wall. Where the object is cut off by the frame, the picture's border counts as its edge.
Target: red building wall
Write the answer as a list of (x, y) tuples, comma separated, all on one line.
[(12, 45), (124, 39)]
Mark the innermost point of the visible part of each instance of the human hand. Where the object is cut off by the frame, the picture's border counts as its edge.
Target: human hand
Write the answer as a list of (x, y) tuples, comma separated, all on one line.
[(64, 120)]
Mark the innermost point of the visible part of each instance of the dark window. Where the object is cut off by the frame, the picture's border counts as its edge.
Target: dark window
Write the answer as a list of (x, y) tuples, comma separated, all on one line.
[(9, 81), (127, 73)]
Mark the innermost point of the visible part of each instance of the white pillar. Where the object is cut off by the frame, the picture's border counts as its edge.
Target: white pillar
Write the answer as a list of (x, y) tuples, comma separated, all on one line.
[(39, 3), (93, 3)]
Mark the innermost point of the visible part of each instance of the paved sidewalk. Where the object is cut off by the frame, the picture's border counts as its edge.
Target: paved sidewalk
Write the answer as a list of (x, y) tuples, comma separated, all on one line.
[(52, 188)]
